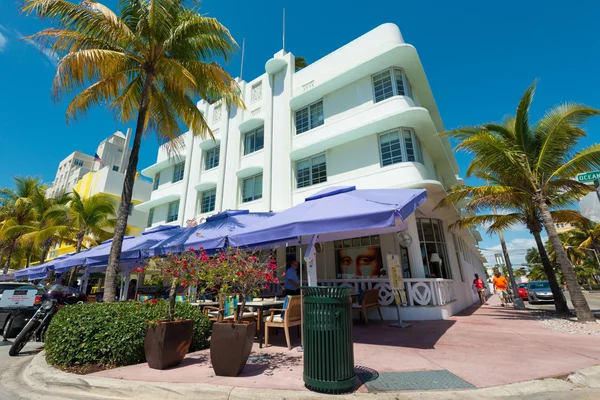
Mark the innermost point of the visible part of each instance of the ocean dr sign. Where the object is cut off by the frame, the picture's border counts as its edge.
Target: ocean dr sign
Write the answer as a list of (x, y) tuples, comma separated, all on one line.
[(589, 176)]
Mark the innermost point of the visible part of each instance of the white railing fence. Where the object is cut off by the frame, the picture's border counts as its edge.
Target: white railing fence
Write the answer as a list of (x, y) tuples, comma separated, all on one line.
[(419, 292)]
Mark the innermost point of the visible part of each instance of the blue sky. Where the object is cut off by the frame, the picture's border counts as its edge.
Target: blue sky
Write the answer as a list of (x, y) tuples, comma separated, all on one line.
[(479, 57)]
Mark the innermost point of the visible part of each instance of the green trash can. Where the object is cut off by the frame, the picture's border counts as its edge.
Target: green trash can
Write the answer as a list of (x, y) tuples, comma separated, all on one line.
[(327, 332)]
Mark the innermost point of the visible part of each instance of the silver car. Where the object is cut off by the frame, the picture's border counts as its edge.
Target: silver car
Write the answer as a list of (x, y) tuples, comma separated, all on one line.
[(539, 291)]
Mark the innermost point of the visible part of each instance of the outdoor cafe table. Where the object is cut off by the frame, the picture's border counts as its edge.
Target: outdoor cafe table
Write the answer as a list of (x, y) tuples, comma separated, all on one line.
[(205, 303), (260, 306)]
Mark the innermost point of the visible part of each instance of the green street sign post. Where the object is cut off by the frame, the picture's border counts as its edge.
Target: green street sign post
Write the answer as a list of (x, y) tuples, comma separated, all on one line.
[(589, 176)]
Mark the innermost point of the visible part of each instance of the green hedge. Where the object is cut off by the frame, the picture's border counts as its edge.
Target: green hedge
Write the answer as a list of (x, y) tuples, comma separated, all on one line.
[(112, 334)]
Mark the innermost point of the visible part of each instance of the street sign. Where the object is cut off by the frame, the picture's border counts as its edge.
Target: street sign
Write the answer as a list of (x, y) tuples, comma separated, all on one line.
[(588, 176)]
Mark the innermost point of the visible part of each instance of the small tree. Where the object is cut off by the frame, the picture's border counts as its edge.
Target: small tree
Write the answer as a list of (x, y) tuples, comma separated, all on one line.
[(235, 272)]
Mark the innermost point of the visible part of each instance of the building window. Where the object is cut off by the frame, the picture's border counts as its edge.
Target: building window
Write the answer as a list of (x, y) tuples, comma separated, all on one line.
[(358, 257), (397, 146), (217, 113), (256, 93), (290, 254), (178, 172), (389, 83), (78, 162), (211, 158), (173, 211), (156, 181), (116, 168), (311, 171), (208, 200), (433, 243), (254, 140), (120, 150), (252, 188), (309, 117), (150, 217)]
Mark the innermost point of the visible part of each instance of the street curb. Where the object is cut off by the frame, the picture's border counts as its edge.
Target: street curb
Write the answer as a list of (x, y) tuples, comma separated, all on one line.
[(41, 376)]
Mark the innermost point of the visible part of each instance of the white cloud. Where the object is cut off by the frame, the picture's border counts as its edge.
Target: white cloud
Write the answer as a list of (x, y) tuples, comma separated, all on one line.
[(50, 55), (517, 249), (3, 41)]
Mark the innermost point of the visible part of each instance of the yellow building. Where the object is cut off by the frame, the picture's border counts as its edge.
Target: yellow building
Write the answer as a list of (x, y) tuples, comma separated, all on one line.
[(562, 227), (110, 182)]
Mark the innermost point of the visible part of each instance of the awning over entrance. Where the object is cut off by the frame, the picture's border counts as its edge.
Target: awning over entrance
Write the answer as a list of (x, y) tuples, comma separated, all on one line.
[(335, 209)]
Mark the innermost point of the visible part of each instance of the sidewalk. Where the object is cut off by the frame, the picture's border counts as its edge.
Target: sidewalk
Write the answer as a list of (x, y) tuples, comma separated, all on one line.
[(484, 346)]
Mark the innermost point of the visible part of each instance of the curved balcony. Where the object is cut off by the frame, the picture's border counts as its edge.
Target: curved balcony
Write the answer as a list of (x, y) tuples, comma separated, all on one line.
[(250, 170), (252, 122), (275, 65), (385, 115)]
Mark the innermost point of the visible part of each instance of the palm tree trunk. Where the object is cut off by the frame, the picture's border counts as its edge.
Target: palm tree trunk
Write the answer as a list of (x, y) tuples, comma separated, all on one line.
[(172, 296), (582, 309), (517, 302), (8, 257), (45, 250), (110, 289), (560, 303)]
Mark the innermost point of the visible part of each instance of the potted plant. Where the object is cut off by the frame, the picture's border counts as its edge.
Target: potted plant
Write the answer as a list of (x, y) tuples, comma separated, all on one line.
[(234, 273), (168, 340)]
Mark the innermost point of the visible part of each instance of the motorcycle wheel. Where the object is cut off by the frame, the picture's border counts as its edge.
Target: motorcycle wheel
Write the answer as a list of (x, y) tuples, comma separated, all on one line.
[(22, 339)]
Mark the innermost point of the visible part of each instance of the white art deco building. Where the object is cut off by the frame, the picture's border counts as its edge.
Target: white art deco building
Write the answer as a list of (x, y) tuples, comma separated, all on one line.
[(361, 116)]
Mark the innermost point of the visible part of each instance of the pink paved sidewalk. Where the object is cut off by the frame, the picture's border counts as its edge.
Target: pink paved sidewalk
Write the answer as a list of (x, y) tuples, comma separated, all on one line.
[(486, 346)]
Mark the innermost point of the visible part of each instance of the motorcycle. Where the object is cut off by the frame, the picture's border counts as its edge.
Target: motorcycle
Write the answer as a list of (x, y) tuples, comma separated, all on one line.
[(57, 297)]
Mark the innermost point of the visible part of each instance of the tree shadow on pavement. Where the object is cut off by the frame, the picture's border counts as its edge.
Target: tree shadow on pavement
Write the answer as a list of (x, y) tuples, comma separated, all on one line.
[(421, 335)]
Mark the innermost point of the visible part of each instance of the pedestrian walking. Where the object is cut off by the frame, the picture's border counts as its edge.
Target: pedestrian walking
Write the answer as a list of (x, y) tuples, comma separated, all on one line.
[(479, 286), (500, 287)]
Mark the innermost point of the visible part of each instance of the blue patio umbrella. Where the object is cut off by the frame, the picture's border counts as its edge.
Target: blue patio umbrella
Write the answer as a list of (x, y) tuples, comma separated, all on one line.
[(39, 271), (335, 210), (211, 234), (81, 258), (7, 277), (137, 248)]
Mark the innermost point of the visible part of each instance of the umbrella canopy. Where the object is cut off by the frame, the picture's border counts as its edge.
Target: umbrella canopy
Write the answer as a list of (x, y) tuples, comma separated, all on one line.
[(39, 271), (82, 257), (137, 247), (7, 277), (332, 210), (211, 234)]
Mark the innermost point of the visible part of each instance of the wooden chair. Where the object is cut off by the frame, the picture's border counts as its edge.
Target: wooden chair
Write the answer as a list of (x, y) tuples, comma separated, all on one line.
[(291, 317), (370, 300), (217, 314)]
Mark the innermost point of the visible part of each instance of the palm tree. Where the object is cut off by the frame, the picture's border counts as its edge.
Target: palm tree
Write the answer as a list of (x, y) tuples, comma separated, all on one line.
[(87, 218), (16, 212), (147, 63), (543, 157), (299, 63), (517, 209), (585, 234)]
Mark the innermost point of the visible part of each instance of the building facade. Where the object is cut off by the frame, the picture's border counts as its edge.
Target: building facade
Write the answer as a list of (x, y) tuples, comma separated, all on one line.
[(364, 116), (113, 152)]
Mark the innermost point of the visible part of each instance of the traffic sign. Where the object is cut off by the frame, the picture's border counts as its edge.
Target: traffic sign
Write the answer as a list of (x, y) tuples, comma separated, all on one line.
[(588, 176)]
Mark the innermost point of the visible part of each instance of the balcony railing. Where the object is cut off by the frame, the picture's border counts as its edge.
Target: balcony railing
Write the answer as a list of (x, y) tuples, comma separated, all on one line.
[(419, 292)]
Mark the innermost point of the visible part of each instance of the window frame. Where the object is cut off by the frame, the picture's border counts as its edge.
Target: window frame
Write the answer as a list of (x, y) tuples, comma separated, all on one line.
[(438, 244), (213, 150), (394, 82), (176, 216), (254, 198), (252, 92), (212, 192), (253, 132), (308, 107), (310, 173), (418, 154), (150, 219), (156, 182), (178, 168), (217, 116)]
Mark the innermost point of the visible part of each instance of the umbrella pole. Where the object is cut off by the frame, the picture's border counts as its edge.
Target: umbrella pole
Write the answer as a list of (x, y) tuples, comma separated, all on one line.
[(301, 348)]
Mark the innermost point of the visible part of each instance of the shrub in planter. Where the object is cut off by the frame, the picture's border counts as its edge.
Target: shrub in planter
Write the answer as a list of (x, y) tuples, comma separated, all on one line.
[(234, 273), (112, 334)]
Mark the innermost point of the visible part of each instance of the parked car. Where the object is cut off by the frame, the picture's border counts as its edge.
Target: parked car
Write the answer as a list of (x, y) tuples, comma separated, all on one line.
[(15, 312), (539, 291), (522, 291)]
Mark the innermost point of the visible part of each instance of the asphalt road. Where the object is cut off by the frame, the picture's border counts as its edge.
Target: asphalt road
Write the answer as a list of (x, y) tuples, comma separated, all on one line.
[(593, 300)]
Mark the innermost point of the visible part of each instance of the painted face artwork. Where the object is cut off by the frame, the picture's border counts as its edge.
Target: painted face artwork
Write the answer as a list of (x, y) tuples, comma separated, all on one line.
[(362, 261)]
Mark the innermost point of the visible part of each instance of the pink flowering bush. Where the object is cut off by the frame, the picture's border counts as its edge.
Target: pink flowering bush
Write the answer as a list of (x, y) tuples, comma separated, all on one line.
[(234, 272)]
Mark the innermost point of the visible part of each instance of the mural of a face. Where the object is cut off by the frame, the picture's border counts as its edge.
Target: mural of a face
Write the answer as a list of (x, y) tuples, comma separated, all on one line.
[(364, 261)]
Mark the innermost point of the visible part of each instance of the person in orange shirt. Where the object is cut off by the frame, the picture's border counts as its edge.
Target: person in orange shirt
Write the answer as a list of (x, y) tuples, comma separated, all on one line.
[(501, 286)]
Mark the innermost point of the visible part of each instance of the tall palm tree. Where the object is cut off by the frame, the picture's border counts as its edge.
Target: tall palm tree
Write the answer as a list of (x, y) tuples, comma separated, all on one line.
[(505, 194), (147, 63), (543, 157), (585, 234)]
